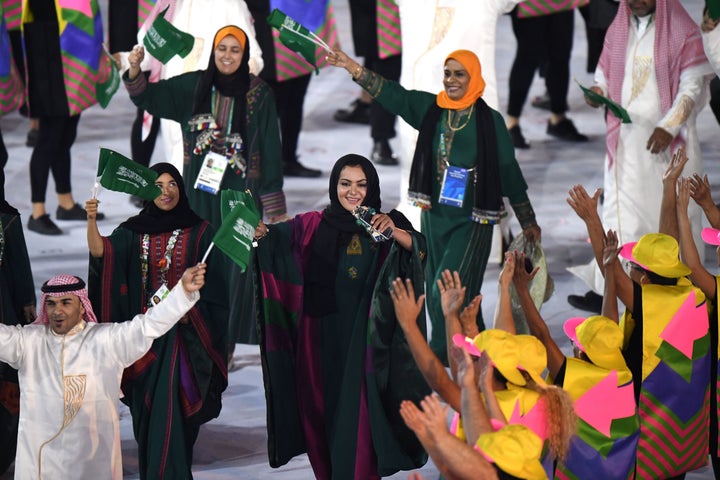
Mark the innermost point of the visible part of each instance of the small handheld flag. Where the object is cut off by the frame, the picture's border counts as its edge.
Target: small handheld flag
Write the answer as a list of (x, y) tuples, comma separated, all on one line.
[(296, 37), (615, 108), (163, 41), (120, 174), (236, 234), (106, 90)]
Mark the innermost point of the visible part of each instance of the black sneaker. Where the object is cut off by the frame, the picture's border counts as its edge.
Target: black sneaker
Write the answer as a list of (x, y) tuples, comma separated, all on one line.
[(590, 302), (296, 169), (565, 130), (75, 213), (382, 154), (43, 225), (358, 113), (517, 138)]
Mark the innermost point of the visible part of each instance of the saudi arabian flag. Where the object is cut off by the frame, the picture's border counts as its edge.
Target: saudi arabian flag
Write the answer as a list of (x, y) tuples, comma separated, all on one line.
[(120, 174), (296, 37), (236, 234), (163, 41), (105, 91)]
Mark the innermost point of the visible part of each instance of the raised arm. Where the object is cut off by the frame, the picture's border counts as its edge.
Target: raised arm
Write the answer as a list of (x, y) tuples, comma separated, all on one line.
[(668, 218), (521, 278), (454, 458), (131, 340), (407, 310), (452, 296), (586, 208), (94, 239), (503, 308), (474, 415), (610, 257), (688, 250)]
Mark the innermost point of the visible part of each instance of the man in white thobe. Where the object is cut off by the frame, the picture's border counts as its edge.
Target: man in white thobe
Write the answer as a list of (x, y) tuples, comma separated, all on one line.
[(654, 66), (69, 371)]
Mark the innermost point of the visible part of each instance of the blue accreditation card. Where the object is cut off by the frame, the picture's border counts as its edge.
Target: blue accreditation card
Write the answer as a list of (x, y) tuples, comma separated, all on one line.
[(452, 191)]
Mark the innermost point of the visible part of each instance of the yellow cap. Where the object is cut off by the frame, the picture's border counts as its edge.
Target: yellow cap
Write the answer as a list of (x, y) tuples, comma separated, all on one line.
[(515, 449)]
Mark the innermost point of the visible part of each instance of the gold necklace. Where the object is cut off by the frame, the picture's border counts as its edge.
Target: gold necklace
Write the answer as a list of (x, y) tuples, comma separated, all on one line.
[(467, 120)]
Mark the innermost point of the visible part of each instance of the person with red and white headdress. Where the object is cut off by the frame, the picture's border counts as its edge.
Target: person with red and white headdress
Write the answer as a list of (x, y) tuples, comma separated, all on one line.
[(654, 66), (69, 368)]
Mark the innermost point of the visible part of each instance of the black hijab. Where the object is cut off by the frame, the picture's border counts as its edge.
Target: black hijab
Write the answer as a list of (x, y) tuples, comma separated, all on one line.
[(235, 85), (335, 231), (153, 220)]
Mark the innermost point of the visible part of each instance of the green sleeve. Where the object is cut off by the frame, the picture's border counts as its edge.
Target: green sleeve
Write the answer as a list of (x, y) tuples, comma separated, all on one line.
[(172, 98), (271, 180), (410, 105)]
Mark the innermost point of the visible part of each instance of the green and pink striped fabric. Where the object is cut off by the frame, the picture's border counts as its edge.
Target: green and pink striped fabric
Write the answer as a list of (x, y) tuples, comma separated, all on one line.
[(538, 8), (292, 65), (388, 29), (12, 91), (11, 11), (144, 9)]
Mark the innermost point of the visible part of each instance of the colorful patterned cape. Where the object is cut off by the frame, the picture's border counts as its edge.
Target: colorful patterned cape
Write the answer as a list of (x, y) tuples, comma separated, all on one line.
[(81, 36), (607, 427), (674, 399)]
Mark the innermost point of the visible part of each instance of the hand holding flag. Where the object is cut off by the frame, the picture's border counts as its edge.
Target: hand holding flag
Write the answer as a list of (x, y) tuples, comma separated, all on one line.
[(614, 108)]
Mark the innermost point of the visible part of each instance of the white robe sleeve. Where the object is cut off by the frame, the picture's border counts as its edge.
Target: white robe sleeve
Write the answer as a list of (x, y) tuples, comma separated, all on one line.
[(690, 91), (131, 340), (11, 345), (711, 42)]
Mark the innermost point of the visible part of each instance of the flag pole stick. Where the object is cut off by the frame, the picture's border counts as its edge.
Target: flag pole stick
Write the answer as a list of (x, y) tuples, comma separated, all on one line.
[(207, 252), (313, 38)]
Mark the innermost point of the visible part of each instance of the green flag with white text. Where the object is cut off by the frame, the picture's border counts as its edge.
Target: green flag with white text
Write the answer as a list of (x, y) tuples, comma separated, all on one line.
[(163, 41), (237, 231), (296, 37), (105, 91), (120, 174)]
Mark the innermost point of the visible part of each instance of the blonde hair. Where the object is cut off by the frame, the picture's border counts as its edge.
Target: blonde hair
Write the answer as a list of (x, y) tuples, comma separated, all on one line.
[(560, 414)]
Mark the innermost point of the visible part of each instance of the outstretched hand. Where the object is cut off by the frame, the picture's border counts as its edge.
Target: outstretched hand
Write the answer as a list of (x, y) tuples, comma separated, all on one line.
[(584, 205), (610, 248), (700, 190), (521, 277), (193, 279), (683, 196), (452, 292), (659, 141), (675, 167), (407, 308)]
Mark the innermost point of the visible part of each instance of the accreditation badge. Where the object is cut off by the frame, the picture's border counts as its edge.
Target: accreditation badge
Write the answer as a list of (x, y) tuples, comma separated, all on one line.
[(454, 185), (159, 295), (211, 173)]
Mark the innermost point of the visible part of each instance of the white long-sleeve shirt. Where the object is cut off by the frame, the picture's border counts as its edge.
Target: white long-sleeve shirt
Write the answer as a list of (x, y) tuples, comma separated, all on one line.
[(69, 387)]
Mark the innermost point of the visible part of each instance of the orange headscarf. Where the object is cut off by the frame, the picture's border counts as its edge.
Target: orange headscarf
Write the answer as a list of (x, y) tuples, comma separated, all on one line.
[(476, 87), (231, 30)]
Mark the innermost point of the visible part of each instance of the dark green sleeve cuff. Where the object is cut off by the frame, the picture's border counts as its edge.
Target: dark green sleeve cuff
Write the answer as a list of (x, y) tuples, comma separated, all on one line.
[(370, 81), (525, 214)]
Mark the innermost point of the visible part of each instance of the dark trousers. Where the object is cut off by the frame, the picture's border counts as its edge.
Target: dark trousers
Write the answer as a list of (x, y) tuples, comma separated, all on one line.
[(52, 152), (382, 122), (289, 99), (142, 150), (548, 37)]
